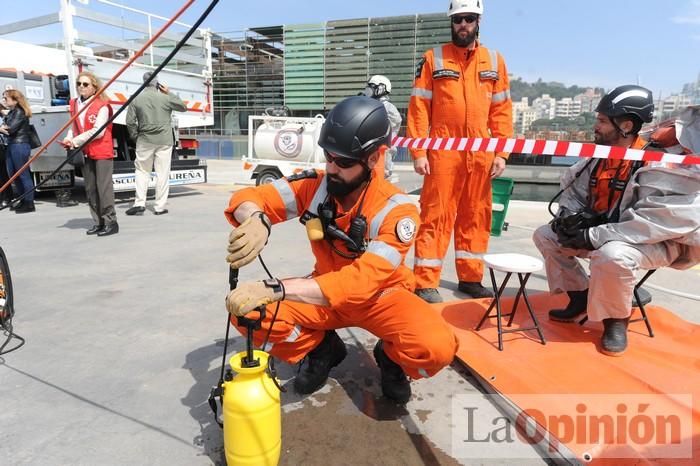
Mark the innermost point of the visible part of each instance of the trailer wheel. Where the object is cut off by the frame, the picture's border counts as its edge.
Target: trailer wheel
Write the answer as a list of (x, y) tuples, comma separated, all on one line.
[(267, 177)]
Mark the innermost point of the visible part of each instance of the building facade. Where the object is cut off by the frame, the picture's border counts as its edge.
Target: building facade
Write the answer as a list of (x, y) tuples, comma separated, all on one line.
[(310, 67)]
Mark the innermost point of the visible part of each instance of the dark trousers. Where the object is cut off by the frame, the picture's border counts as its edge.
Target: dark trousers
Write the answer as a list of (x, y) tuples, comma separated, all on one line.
[(6, 195), (99, 190), (17, 155)]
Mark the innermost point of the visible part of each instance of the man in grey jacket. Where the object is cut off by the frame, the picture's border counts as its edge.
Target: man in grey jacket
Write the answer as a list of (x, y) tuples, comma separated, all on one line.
[(657, 227), (149, 122)]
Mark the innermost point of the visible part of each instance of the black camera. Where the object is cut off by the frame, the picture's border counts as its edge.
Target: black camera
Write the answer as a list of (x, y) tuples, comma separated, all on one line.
[(570, 224)]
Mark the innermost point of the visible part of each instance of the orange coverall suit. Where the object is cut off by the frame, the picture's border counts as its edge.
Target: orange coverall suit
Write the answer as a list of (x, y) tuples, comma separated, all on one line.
[(457, 93), (373, 291), (609, 179)]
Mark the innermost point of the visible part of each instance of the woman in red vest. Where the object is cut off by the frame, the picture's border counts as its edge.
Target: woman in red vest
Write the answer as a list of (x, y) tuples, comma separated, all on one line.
[(99, 153)]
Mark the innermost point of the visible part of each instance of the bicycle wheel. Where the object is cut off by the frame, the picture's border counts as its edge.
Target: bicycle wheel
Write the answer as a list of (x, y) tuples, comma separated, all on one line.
[(6, 309)]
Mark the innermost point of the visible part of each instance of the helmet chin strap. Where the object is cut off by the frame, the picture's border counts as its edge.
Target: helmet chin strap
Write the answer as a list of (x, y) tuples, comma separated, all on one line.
[(619, 130), (368, 171)]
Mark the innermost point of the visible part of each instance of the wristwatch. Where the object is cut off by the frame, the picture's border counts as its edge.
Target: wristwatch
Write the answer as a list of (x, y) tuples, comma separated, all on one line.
[(265, 221), (276, 285)]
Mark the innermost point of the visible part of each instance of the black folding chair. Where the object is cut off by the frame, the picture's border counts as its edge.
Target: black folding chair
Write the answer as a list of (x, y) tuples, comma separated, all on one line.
[(640, 300)]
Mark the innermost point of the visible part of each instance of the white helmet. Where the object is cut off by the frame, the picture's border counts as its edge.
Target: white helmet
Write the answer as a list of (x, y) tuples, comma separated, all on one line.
[(466, 6), (378, 85)]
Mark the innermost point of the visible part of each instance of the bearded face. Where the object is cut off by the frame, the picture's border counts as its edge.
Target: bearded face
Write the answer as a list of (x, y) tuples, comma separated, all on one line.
[(605, 132), (339, 187), (464, 34)]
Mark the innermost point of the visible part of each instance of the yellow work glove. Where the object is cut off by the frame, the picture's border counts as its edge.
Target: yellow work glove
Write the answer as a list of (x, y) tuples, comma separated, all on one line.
[(251, 295), (246, 241)]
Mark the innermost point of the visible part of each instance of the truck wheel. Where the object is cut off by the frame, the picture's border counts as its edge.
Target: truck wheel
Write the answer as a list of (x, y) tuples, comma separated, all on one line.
[(267, 176)]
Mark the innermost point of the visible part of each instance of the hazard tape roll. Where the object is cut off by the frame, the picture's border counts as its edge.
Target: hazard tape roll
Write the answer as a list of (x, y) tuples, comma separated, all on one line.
[(545, 147)]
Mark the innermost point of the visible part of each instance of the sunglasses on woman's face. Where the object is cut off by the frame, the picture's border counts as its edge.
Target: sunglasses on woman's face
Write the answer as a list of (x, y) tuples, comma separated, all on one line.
[(339, 161), (83, 84)]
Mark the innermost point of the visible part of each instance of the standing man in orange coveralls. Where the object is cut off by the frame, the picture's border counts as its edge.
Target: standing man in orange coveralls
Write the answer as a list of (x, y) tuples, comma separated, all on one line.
[(361, 228), (461, 89)]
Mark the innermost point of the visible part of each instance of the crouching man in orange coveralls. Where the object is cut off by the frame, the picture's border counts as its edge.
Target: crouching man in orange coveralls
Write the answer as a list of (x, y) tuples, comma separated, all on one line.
[(361, 228)]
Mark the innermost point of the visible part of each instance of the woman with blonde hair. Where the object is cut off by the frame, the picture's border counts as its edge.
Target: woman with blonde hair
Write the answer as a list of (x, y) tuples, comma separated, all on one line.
[(6, 195), (99, 153), (16, 128)]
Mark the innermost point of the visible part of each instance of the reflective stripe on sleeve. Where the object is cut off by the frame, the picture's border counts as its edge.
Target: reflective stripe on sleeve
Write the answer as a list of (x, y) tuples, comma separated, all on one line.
[(424, 93), (394, 201), (287, 195), (500, 96), (385, 251)]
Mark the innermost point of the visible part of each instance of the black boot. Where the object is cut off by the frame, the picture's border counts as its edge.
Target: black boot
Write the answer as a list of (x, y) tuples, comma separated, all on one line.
[(429, 295), (25, 207), (395, 384), (614, 341), (578, 301), (95, 229), (110, 229), (320, 361), (136, 210), (475, 290)]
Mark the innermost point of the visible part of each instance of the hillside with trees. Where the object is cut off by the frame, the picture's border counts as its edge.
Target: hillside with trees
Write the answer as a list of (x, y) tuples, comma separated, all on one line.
[(520, 89)]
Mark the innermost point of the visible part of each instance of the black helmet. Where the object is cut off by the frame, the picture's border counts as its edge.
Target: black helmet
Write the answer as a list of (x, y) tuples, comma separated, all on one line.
[(629, 100), (355, 128)]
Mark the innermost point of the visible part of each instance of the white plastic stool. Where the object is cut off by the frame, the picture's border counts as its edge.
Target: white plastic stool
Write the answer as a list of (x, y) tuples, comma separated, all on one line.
[(511, 263)]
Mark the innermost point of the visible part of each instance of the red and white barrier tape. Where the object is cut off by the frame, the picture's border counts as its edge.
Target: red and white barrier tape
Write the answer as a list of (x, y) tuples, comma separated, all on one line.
[(544, 147)]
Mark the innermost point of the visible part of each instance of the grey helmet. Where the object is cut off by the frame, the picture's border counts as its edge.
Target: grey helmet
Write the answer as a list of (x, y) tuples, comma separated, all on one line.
[(355, 128), (628, 100)]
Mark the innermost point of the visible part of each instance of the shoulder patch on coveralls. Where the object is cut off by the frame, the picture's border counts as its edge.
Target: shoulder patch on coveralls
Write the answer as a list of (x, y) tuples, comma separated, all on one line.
[(310, 173), (406, 229), (419, 67)]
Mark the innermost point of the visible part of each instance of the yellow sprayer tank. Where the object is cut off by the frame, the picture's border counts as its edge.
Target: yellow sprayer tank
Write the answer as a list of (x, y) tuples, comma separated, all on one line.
[(252, 414)]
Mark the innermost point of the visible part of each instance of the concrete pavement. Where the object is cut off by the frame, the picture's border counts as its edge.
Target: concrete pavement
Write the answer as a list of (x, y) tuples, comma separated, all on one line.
[(124, 340)]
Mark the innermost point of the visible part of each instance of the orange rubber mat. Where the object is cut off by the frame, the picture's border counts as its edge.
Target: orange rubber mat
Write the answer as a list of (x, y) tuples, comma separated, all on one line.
[(664, 369)]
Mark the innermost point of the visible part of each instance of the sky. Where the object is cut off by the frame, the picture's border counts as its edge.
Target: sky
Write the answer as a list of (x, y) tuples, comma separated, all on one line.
[(602, 43)]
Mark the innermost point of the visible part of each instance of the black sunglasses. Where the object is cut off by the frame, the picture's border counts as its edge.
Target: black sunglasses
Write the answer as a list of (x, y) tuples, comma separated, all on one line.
[(468, 18), (340, 161), (82, 83)]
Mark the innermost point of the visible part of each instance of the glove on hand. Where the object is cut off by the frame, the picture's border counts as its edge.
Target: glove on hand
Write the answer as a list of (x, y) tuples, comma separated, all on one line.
[(579, 240), (246, 241), (251, 295), (555, 224)]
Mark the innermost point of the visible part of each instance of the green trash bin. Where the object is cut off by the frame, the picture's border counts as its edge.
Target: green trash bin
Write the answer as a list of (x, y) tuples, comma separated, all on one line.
[(501, 189)]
